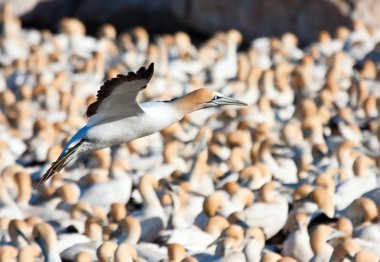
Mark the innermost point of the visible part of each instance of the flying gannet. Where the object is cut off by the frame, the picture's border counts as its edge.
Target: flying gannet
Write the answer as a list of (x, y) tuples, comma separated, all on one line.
[(117, 117)]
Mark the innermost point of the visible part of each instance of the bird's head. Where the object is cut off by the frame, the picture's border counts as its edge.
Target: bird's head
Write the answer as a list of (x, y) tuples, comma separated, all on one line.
[(204, 98)]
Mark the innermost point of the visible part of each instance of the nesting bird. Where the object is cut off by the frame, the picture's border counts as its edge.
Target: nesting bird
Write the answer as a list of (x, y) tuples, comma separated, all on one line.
[(294, 176)]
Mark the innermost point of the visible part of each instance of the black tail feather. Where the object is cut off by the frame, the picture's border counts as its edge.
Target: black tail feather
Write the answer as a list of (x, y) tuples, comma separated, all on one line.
[(57, 166)]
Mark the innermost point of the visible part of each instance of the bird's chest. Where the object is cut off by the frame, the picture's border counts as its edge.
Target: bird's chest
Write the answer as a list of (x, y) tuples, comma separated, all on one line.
[(127, 129)]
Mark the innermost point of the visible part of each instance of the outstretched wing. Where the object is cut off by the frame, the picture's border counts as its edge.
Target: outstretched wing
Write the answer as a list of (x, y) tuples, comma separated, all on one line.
[(116, 98)]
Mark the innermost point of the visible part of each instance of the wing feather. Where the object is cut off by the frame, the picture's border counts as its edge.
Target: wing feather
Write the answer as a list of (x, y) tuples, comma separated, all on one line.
[(117, 96)]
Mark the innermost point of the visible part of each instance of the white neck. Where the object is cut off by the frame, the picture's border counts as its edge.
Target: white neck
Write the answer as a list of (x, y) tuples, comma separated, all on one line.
[(253, 250), (165, 112)]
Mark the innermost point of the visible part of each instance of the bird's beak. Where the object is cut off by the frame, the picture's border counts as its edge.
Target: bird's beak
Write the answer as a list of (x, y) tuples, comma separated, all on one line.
[(335, 234), (229, 101), (216, 241), (27, 239), (169, 187), (287, 189)]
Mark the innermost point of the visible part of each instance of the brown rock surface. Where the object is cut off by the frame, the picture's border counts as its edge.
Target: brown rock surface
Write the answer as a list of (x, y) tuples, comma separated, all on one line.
[(252, 17)]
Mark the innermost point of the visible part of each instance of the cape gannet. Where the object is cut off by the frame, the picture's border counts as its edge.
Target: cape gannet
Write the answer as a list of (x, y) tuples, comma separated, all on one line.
[(117, 117)]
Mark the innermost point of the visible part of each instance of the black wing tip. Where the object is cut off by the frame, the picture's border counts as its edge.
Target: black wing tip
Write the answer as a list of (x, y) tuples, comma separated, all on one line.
[(145, 73), (150, 70), (91, 109), (142, 73), (108, 85)]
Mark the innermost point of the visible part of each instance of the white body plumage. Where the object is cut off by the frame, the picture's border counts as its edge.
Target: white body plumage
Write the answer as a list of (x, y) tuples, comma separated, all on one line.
[(156, 116), (117, 117)]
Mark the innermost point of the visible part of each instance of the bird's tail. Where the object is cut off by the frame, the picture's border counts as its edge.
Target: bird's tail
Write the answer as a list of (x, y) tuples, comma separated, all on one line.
[(61, 162)]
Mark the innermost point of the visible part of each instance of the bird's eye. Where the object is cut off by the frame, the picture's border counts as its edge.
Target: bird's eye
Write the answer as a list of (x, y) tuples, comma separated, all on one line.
[(216, 97)]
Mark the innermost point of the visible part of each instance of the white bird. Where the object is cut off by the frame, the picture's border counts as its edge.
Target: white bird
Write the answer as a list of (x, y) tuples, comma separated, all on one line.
[(46, 238), (255, 243), (297, 243), (271, 213), (319, 242), (351, 189), (368, 237), (117, 117), (117, 189)]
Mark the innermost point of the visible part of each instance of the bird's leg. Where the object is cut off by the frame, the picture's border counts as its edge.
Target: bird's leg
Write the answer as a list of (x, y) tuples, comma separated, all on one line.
[(61, 162)]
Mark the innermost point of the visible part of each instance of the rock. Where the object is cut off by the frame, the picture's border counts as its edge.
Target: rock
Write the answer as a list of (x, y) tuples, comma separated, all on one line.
[(252, 17), (47, 14), (264, 18)]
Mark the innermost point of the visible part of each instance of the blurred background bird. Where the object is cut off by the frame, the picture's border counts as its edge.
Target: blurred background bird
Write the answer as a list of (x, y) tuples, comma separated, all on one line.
[(293, 176)]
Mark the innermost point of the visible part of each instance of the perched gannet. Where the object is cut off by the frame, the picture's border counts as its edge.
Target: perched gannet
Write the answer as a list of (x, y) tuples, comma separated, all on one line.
[(193, 239), (255, 242), (368, 233), (363, 182), (117, 212), (8, 253), (30, 252), (46, 238), (270, 256), (125, 252), (270, 213), (364, 255), (282, 168), (94, 231), (117, 188), (9, 207), (152, 216), (129, 232), (345, 250), (223, 248), (318, 241), (116, 117), (19, 232), (106, 251), (297, 243), (226, 67)]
